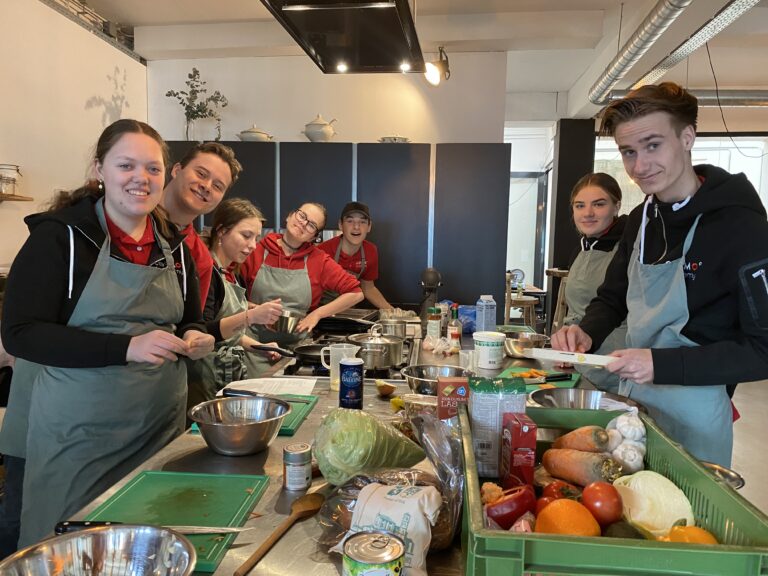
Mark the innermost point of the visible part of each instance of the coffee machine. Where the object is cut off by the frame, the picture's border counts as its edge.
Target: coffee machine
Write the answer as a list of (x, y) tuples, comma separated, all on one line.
[(430, 281)]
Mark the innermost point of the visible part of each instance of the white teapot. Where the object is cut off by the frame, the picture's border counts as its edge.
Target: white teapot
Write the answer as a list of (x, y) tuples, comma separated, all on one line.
[(254, 134), (319, 130)]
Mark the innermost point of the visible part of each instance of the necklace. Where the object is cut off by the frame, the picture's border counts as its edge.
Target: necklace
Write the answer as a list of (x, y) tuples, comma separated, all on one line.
[(288, 245)]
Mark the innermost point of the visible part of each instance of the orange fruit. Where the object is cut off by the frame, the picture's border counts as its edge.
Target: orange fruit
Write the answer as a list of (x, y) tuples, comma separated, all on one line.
[(690, 535), (565, 516)]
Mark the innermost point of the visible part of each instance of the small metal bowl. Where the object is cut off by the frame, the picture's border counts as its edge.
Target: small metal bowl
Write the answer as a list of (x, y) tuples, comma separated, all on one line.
[(239, 426), (422, 378), (516, 344), (730, 477), (116, 549), (287, 322), (578, 398)]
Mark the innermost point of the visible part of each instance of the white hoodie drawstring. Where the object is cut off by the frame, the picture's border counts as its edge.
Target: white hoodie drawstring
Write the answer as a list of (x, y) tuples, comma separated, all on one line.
[(183, 272), (642, 228), (71, 260)]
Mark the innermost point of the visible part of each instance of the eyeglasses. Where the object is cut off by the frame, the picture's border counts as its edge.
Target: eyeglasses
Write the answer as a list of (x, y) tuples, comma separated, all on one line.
[(306, 222)]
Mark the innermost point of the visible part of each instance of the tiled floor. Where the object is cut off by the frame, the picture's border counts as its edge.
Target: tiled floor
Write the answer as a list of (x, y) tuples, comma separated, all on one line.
[(750, 456)]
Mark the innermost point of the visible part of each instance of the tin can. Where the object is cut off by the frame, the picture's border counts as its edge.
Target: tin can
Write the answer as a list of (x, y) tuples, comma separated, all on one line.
[(297, 466), (351, 383), (373, 554)]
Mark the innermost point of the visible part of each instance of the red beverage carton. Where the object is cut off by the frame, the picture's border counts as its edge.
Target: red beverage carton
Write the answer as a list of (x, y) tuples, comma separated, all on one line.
[(451, 391), (518, 450)]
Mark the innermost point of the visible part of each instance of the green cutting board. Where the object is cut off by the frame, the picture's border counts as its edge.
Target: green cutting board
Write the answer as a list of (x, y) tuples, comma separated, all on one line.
[(185, 499), (514, 370), (299, 412)]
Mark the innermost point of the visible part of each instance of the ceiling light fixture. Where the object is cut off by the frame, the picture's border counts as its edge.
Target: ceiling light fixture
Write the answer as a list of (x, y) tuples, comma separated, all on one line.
[(405, 67), (291, 5), (341, 67), (438, 69)]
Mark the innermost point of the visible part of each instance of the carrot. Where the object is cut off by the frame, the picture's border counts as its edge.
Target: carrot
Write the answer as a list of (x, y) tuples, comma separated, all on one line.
[(586, 438), (580, 467)]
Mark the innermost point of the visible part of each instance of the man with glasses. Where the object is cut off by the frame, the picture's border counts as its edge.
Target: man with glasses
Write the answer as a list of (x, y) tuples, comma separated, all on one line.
[(289, 266), (355, 254)]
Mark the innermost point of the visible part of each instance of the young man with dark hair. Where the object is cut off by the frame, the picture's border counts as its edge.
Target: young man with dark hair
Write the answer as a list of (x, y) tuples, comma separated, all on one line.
[(689, 276)]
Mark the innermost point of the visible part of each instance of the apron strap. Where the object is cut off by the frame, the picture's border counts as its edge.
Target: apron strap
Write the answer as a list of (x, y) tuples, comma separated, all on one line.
[(362, 260)]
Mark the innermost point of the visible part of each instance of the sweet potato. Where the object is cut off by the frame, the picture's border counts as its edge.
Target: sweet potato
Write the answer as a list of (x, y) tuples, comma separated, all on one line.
[(586, 438), (580, 467)]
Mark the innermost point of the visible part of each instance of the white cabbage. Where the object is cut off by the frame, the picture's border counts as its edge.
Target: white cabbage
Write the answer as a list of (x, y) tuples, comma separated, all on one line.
[(653, 502)]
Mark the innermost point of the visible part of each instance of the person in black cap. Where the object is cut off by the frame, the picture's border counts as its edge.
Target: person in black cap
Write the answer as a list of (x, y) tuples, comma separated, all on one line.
[(355, 254)]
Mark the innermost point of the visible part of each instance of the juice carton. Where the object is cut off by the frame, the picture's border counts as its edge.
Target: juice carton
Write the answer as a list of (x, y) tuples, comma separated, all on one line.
[(518, 450)]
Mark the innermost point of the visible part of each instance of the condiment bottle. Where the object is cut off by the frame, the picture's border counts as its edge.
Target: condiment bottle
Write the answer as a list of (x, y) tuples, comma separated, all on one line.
[(454, 330), (434, 322)]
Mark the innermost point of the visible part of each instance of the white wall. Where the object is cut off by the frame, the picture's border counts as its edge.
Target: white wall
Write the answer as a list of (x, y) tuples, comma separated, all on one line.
[(61, 86), (282, 94)]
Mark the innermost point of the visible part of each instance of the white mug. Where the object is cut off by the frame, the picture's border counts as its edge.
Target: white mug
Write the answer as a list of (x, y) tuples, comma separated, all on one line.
[(337, 353)]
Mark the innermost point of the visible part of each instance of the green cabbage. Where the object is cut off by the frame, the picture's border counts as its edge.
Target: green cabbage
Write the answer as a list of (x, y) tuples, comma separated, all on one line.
[(350, 441), (653, 502)]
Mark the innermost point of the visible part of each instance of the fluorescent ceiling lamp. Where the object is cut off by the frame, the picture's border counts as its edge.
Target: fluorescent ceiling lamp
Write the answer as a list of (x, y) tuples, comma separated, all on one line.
[(438, 69), (303, 5)]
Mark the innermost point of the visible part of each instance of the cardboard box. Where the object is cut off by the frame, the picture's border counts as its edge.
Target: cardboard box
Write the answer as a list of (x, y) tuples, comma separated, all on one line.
[(518, 450), (451, 391)]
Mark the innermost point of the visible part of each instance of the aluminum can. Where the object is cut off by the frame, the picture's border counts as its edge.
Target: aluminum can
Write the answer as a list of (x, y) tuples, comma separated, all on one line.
[(351, 383), (373, 554), (297, 466)]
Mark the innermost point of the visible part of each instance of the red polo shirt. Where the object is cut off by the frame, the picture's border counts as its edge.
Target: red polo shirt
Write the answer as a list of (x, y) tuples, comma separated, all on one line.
[(136, 251)]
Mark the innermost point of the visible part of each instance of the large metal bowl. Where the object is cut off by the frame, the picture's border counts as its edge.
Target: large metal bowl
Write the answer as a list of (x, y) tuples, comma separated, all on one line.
[(107, 551), (287, 322), (516, 343), (579, 398), (422, 378), (240, 426), (730, 477)]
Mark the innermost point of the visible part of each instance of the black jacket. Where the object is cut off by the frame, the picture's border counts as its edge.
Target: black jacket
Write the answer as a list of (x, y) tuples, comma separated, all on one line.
[(37, 307), (604, 243), (727, 305)]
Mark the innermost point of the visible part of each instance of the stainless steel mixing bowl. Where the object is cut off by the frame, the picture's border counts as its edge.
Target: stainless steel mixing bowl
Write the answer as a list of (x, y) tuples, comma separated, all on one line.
[(422, 378), (516, 343), (107, 551), (240, 426), (579, 398), (286, 322)]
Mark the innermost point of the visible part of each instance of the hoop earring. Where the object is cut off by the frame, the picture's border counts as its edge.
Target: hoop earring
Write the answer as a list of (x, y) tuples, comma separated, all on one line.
[(101, 185)]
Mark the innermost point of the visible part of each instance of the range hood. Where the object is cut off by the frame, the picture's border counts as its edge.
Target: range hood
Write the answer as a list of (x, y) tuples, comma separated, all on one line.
[(352, 36)]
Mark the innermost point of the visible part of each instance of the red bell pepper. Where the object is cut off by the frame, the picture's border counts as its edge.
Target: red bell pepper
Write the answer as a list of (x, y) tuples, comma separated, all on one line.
[(515, 502)]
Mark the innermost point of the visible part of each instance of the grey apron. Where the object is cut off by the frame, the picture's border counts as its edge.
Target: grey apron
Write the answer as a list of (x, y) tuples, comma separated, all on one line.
[(330, 295), (698, 417), (13, 436), (226, 363), (584, 278), (89, 427), (294, 289)]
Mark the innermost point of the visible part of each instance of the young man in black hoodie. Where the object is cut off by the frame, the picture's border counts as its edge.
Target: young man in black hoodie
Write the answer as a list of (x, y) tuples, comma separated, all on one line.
[(689, 275)]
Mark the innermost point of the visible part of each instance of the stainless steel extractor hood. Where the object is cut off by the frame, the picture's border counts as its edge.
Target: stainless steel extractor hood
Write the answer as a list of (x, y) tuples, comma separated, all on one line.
[(352, 36)]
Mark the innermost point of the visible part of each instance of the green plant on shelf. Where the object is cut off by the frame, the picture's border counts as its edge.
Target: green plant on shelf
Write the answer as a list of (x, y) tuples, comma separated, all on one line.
[(196, 104)]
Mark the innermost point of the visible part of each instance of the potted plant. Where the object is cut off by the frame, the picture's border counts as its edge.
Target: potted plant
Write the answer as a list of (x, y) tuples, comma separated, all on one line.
[(196, 104)]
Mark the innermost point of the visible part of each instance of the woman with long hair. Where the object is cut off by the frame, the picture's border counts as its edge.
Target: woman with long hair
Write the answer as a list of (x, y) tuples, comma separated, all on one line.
[(101, 302)]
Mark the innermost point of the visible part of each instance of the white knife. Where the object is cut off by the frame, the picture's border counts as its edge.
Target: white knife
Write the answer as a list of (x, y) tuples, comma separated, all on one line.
[(568, 357)]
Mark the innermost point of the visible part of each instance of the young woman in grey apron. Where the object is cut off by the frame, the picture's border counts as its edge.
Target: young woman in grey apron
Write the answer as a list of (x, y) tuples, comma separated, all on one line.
[(235, 232), (104, 392), (294, 285), (595, 201)]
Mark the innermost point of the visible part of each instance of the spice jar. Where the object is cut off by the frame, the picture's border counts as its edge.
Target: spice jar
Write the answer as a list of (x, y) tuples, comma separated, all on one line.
[(297, 466)]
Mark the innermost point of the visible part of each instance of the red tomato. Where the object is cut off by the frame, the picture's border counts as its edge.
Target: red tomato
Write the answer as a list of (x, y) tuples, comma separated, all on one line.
[(560, 489), (515, 502), (542, 502), (603, 501)]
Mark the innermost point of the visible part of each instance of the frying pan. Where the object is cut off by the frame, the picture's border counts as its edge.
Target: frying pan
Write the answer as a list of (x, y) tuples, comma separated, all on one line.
[(307, 353)]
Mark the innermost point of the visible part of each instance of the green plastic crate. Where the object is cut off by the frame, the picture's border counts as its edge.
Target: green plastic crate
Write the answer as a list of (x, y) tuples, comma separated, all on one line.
[(738, 525)]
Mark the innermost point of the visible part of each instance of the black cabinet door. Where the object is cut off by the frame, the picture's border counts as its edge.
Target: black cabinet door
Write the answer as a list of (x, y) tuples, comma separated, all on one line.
[(393, 179), (315, 172), (257, 180), (470, 221)]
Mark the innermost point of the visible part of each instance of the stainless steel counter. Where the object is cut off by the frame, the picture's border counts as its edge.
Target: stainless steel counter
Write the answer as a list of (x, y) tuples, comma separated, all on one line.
[(297, 552)]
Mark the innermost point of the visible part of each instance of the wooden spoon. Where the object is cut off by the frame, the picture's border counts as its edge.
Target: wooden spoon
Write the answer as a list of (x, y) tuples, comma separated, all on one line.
[(303, 507)]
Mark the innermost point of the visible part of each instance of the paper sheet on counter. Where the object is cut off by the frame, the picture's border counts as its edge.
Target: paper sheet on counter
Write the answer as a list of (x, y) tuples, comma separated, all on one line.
[(302, 386)]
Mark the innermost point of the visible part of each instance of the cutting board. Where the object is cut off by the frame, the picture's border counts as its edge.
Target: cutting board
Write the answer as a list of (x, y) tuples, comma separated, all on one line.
[(299, 412), (179, 498), (514, 370)]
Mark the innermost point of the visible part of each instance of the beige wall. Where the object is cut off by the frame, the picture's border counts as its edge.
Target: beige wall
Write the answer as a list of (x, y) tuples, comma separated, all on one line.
[(61, 85), (281, 94)]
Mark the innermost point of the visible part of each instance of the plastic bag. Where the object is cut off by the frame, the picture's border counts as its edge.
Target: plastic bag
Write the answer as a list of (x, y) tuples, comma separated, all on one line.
[(350, 441)]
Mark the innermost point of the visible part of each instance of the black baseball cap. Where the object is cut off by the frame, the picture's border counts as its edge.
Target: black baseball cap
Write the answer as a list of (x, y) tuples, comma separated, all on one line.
[(356, 207)]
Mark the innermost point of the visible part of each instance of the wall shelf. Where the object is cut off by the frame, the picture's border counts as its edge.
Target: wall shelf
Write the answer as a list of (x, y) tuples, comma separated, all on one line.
[(15, 198)]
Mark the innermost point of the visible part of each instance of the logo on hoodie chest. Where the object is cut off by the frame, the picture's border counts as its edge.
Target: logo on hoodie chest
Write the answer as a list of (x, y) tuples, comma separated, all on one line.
[(691, 268)]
